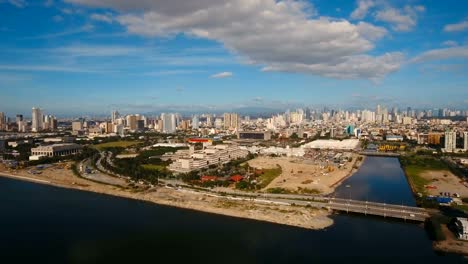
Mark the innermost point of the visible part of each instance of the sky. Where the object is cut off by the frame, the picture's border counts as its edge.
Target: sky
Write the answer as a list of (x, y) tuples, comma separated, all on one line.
[(76, 57)]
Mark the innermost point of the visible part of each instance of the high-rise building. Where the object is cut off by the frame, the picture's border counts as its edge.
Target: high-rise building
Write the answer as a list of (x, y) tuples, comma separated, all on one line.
[(132, 122), (169, 123), (231, 121), (195, 122), (36, 125), (2, 121), (115, 116), (450, 141), (77, 125), (465, 140)]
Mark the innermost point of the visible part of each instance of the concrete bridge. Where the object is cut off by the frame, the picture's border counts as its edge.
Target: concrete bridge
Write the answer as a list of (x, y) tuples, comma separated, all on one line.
[(379, 154), (378, 209)]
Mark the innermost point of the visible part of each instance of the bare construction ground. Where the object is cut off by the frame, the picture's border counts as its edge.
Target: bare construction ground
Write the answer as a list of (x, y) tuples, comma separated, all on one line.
[(445, 181), (301, 173)]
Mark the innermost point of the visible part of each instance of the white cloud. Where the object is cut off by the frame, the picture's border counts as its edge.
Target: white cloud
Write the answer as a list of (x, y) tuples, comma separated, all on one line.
[(400, 19), (269, 33), (363, 7), (47, 68), (222, 75), (462, 26), (49, 3), (450, 43), (443, 54), (18, 3), (102, 18)]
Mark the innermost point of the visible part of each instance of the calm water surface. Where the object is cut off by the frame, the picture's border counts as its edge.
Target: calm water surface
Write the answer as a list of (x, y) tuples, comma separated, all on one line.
[(44, 224)]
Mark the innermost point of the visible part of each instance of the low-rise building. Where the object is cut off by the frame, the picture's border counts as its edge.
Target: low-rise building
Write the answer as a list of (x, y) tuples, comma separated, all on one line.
[(55, 150), (190, 160), (461, 228)]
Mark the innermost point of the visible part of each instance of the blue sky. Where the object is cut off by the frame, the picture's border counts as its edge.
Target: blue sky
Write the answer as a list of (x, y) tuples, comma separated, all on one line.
[(91, 56)]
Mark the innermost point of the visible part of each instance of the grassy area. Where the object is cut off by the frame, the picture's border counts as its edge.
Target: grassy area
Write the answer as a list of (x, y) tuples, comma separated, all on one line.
[(416, 180), (269, 175), (116, 144), (153, 167), (416, 165)]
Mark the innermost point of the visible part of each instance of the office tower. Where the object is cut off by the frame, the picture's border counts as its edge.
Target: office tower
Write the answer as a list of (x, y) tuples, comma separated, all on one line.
[(53, 125), (450, 141), (168, 123), (19, 118), (195, 122), (2, 121), (36, 125), (77, 125), (132, 122), (231, 121), (115, 116), (465, 140), (209, 121)]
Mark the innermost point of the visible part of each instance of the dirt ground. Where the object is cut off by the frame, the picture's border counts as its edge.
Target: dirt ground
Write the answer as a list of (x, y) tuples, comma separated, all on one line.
[(281, 214), (445, 181), (451, 244), (300, 173)]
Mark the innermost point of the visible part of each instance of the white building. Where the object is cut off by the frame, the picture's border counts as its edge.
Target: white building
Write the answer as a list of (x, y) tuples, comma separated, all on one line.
[(465, 140), (169, 123), (190, 160), (450, 141), (36, 120), (55, 150)]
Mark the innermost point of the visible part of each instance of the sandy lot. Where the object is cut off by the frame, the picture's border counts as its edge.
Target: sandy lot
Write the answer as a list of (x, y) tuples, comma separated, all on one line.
[(281, 214), (299, 173), (445, 181)]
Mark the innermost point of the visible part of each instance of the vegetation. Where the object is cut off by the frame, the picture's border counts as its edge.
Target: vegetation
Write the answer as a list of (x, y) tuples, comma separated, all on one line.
[(415, 165), (433, 226), (278, 190), (269, 175), (308, 191), (113, 144)]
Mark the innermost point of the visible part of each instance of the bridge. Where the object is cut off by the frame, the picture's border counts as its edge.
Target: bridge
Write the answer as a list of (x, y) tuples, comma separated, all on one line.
[(379, 154), (378, 209)]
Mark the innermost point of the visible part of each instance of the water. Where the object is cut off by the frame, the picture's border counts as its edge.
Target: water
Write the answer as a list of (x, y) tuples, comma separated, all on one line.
[(379, 179), (44, 224)]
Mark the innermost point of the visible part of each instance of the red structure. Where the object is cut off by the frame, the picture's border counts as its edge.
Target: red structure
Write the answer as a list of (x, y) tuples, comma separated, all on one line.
[(236, 178), (206, 178), (199, 140)]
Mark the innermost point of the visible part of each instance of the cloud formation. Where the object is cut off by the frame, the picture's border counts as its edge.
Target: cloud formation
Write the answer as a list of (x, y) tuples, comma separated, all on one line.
[(276, 35), (363, 7), (101, 18), (443, 54), (401, 19), (222, 75), (462, 26)]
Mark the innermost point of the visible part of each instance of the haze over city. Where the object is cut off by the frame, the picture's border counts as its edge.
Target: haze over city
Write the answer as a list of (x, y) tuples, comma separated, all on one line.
[(90, 56)]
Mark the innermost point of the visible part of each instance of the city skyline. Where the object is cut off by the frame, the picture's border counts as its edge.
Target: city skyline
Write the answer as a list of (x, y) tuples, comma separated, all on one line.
[(93, 56)]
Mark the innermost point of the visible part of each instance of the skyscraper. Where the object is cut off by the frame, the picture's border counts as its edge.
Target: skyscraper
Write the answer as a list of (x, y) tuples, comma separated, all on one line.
[(2, 120), (36, 119), (195, 122), (115, 116), (169, 123), (465, 140), (231, 121), (450, 141)]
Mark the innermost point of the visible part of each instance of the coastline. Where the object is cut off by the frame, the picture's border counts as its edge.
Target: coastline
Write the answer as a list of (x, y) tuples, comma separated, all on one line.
[(296, 216)]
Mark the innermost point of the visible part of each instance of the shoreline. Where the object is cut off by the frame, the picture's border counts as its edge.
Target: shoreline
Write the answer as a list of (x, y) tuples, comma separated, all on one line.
[(295, 216), (358, 164)]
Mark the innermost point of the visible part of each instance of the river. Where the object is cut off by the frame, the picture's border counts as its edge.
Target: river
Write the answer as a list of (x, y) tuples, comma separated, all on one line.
[(45, 224)]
